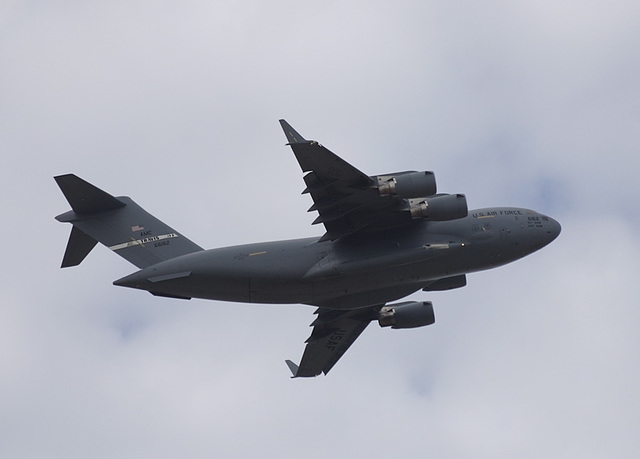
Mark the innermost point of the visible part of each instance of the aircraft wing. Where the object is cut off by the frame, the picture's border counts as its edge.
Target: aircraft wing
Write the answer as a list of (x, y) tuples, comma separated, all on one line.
[(333, 333), (346, 199)]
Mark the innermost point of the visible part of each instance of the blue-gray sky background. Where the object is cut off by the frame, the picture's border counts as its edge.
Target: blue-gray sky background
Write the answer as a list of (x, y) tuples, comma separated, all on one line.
[(531, 104)]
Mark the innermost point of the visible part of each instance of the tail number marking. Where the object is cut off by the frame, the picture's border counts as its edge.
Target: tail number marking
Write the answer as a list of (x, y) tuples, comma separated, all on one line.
[(159, 241)]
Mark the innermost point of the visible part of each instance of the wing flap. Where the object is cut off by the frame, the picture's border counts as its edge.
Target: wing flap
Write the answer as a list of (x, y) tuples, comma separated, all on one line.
[(333, 334)]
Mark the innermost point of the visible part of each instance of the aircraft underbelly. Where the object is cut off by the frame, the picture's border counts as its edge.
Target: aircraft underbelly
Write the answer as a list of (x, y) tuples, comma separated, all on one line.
[(279, 291), (371, 288)]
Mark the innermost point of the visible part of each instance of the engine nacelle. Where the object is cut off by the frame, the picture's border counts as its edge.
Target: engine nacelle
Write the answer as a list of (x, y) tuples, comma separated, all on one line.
[(410, 314), (439, 208), (407, 184)]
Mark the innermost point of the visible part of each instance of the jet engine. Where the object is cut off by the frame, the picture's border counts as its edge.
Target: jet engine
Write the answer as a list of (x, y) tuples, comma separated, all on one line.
[(439, 208), (410, 314), (409, 184)]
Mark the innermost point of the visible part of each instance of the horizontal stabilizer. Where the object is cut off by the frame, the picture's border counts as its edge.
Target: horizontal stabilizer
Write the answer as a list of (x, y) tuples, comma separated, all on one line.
[(85, 197)]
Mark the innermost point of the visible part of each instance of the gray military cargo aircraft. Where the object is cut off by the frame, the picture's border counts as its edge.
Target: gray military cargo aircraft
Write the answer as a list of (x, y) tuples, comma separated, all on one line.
[(387, 236)]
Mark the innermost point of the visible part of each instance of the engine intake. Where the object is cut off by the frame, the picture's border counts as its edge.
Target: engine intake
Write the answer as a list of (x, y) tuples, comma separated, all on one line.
[(410, 314), (439, 208), (409, 184)]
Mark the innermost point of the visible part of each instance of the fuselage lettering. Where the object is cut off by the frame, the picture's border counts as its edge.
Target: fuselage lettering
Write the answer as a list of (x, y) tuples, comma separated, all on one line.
[(495, 213)]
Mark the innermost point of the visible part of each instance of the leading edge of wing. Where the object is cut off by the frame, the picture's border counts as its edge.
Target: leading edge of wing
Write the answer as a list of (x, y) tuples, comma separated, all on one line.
[(329, 168), (333, 334), (346, 199)]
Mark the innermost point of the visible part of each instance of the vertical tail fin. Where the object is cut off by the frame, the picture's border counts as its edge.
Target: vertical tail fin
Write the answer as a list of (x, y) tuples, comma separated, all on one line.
[(119, 224)]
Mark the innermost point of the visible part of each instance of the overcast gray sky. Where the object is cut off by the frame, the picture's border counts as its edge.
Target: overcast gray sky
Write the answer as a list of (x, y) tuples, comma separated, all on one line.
[(531, 104)]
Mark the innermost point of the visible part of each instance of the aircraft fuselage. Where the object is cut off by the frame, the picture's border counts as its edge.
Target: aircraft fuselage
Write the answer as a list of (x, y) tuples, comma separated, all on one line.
[(354, 272)]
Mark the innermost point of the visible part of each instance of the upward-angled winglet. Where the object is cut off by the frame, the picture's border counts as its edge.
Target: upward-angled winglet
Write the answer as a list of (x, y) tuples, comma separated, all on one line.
[(292, 135), (293, 367)]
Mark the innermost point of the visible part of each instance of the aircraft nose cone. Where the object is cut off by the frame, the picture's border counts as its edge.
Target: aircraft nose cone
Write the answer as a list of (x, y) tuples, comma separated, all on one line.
[(552, 229)]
